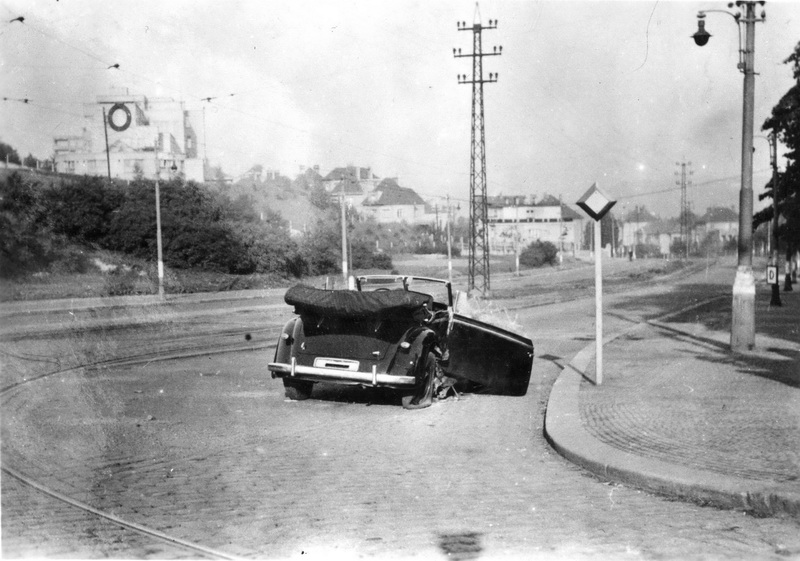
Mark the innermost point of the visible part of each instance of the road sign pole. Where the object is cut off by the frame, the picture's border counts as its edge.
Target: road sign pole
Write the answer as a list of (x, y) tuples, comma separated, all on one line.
[(596, 204), (598, 302)]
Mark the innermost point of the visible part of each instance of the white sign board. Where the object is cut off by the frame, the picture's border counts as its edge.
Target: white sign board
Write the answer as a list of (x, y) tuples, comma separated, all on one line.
[(772, 274)]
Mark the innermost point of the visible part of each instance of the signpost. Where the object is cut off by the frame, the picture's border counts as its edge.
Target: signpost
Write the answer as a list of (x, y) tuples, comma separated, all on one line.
[(596, 204), (772, 274)]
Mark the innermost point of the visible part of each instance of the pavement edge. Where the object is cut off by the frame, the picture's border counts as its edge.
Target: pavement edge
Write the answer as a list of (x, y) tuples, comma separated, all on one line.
[(564, 431)]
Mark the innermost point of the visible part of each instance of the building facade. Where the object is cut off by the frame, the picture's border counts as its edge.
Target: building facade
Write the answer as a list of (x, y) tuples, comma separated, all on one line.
[(515, 222), (146, 137)]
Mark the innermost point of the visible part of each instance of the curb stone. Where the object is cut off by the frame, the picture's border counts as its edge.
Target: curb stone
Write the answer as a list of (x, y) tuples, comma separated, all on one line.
[(565, 432)]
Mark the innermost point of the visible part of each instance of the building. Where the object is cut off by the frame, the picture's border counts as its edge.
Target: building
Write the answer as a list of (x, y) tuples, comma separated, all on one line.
[(145, 136), (721, 223), (390, 202), (358, 179), (635, 227), (515, 222)]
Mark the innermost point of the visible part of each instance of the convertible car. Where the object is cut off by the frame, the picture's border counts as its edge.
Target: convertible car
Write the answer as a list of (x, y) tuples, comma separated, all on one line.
[(398, 332)]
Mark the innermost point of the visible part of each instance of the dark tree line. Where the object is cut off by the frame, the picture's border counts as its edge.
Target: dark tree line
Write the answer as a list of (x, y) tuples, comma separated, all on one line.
[(785, 122), (41, 224), (199, 229)]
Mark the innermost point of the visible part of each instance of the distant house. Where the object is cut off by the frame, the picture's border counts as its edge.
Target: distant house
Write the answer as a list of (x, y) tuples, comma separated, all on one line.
[(662, 233), (515, 221), (720, 222), (307, 179), (353, 175), (635, 229), (390, 202)]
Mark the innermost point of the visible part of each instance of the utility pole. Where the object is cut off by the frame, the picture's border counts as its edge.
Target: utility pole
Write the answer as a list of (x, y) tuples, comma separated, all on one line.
[(686, 212), (159, 247), (775, 300), (344, 236), (108, 153), (478, 212), (560, 231), (449, 250)]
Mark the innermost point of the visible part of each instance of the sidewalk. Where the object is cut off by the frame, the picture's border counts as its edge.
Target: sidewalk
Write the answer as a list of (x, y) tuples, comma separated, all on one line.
[(679, 414)]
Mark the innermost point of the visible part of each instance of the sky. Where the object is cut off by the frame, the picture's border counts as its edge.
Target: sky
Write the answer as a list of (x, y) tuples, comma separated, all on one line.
[(605, 91)]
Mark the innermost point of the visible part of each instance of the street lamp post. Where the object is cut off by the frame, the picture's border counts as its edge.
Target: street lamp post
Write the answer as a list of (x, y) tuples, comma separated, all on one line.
[(744, 288), (344, 239), (772, 225)]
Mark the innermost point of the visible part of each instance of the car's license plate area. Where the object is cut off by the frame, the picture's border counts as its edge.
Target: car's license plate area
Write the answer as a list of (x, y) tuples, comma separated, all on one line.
[(336, 364)]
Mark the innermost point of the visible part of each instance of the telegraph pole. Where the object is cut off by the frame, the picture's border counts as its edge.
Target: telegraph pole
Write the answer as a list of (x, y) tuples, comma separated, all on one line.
[(478, 212), (108, 153), (686, 212), (159, 247), (344, 236)]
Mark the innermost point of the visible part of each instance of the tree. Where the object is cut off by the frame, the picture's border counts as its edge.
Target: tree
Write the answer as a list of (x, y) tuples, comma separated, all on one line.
[(83, 209), (7, 152), (26, 241), (785, 122)]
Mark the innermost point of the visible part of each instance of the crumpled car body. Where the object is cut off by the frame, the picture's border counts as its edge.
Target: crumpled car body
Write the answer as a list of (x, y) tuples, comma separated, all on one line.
[(397, 332)]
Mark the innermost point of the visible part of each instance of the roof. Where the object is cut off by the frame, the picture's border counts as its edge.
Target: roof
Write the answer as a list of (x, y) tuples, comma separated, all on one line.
[(349, 172), (390, 193), (506, 200), (548, 200), (348, 186), (567, 212), (720, 214), (669, 226), (640, 214)]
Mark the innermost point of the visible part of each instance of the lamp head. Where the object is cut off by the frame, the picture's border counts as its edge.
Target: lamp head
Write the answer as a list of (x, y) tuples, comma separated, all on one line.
[(701, 36)]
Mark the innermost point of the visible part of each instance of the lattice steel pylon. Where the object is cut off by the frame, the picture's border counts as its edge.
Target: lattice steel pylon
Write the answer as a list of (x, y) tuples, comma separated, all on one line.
[(478, 211)]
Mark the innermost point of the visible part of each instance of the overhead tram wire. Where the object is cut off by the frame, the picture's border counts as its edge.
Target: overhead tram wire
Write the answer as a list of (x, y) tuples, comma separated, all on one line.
[(211, 99), (249, 114), (33, 103), (694, 184)]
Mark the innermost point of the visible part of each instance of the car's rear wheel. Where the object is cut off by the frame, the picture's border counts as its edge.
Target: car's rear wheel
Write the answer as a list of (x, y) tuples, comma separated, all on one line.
[(297, 389), (423, 395)]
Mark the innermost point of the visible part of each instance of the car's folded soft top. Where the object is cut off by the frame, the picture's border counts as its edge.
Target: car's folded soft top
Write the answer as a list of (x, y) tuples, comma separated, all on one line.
[(350, 303)]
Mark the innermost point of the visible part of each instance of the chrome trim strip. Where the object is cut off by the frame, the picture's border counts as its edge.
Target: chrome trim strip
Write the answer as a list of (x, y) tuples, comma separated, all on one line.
[(330, 375)]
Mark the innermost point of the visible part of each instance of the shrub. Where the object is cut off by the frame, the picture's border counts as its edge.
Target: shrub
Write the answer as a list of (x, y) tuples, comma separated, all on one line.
[(539, 253)]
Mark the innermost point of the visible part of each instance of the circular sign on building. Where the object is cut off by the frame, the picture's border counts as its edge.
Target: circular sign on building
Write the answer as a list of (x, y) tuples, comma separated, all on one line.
[(119, 117)]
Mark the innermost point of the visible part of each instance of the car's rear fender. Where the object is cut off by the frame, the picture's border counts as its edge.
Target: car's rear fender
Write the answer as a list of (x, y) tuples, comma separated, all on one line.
[(283, 351), (410, 355)]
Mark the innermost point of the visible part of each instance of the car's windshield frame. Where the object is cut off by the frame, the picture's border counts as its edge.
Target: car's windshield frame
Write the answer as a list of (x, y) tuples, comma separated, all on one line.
[(366, 283)]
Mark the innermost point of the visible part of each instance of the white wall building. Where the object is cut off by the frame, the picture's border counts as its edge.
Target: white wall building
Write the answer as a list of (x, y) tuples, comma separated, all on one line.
[(145, 135), (514, 222)]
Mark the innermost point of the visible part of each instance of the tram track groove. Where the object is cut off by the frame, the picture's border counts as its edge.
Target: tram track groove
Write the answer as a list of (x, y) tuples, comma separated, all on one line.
[(191, 346)]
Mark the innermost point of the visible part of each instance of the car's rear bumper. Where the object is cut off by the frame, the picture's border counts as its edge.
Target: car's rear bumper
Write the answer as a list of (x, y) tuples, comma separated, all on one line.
[(336, 376)]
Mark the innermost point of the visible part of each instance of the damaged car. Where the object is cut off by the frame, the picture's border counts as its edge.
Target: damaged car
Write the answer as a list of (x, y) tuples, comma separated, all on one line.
[(398, 332)]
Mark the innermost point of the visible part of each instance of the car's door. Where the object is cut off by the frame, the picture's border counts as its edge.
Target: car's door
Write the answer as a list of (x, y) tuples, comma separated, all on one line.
[(498, 360)]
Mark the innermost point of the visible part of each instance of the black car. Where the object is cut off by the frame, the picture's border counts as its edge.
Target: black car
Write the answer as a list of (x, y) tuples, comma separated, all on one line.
[(398, 332)]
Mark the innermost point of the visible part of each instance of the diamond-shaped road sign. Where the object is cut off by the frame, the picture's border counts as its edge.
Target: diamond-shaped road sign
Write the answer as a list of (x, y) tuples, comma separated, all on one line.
[(595, 203)]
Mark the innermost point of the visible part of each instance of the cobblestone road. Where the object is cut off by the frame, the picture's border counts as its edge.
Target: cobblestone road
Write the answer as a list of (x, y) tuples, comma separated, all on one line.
[(206, 449)]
